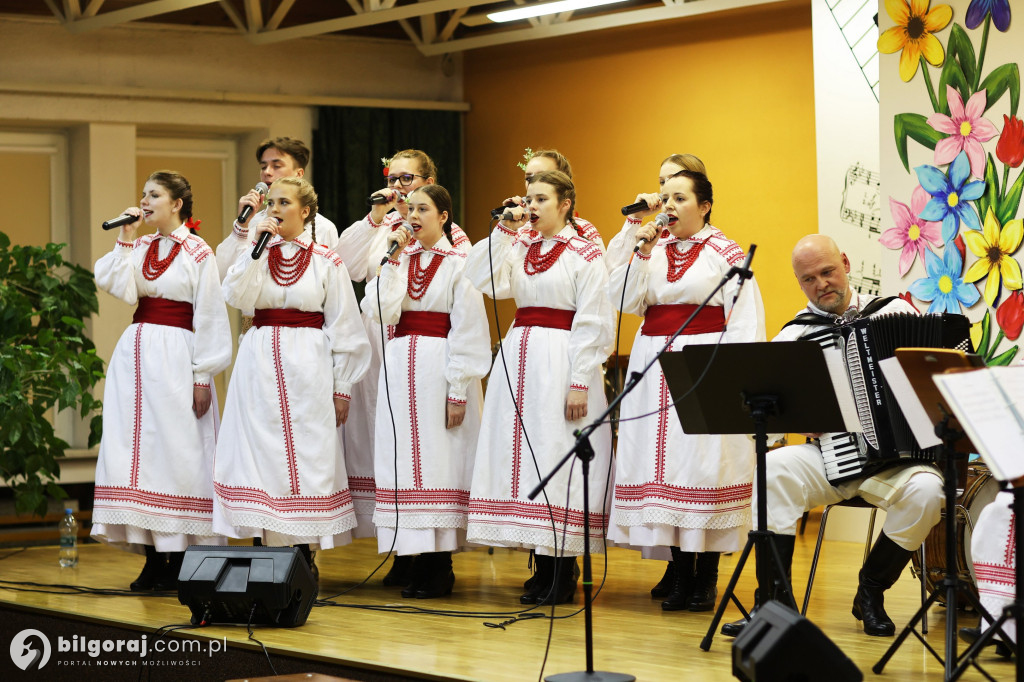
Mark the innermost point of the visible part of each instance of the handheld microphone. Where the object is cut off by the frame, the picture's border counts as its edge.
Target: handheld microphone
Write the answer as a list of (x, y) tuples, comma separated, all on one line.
[(503, 212), (261, 243), (633, 208), (262, 189), (394, 245), (661, 220), (126, 219), (383, 198)]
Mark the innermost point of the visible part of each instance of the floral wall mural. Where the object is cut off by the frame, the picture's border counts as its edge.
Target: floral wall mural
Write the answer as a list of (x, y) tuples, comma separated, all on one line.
[(951, 168)]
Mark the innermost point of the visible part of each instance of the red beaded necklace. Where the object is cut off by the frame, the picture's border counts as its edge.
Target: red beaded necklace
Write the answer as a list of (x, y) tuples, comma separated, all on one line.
[(679, 263), (419, 278), (152, 266), (288, 271), (536, 262)]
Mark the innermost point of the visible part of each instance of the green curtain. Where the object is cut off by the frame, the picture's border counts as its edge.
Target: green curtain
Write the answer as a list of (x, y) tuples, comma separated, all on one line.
[(350, 141)]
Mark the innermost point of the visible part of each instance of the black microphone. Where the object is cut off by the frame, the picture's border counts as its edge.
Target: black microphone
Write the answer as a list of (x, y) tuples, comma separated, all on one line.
[(744, 271), (261, 243), (260, 187), (503, 212), (379, 199), (394, 245), (126, 219), (633, 208), (661, 220)]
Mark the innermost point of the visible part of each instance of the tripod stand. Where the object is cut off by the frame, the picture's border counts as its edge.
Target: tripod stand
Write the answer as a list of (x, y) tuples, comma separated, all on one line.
[(951, 584)]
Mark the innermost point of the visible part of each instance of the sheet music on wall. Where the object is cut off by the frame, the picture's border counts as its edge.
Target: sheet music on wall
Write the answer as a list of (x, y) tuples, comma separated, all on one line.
[(866, 278), (861, 199)]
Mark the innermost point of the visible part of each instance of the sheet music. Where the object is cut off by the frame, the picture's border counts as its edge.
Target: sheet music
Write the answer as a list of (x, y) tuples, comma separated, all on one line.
[(988, 403), (862, 199), (910, 404), (844, 391)]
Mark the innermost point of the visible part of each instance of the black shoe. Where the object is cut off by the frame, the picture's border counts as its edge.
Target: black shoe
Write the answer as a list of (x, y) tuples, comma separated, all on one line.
[(156, 563), (400, 573), (881, 569), (664, 586), (167, 580), (734, 628), (678, 598), (418, 575), (563, 588), (540, 583), (440, 578), (705, 583), (971, 635)]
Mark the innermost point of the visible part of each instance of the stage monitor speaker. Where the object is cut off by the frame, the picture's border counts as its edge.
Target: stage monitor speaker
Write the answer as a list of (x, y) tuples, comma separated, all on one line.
[(780, 645), (258, 585)]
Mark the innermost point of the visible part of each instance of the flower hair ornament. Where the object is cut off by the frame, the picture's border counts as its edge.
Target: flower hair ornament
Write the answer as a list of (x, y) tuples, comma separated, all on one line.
[(192, 223), (387, 163), (526, 159)]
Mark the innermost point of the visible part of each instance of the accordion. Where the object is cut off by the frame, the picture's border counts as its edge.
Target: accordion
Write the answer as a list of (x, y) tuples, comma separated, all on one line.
[(887, 438)]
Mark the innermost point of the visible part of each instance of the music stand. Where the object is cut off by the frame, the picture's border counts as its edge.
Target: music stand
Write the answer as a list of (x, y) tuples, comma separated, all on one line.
[(754, 388)]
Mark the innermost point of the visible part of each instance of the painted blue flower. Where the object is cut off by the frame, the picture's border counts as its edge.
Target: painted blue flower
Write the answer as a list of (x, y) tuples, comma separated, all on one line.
[(950, 195), (944, 286), (978, 9)]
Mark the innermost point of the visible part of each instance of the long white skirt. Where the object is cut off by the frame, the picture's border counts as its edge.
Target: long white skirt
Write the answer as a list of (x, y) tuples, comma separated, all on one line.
[(154, 475), (280, 470), (995, 559), (434, 464), (691, 491), (500, 514)]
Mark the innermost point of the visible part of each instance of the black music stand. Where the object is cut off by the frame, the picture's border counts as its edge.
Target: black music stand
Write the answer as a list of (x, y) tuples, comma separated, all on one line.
[(754, 388)]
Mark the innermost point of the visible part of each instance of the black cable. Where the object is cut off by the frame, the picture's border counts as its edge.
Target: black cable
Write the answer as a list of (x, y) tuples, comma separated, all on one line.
[(12, 553), (160, 632), (252, 637), (76, 589)]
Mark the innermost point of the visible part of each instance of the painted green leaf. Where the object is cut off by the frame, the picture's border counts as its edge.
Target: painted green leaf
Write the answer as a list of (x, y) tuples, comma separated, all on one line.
[(913, 126), (1006, 77), (991, 196), (1008, 206), (986, 328), (1003, 359), (952, 75), (960, 49)]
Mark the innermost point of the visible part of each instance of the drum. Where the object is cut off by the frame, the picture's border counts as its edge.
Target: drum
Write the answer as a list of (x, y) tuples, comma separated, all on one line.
[(981, 489)]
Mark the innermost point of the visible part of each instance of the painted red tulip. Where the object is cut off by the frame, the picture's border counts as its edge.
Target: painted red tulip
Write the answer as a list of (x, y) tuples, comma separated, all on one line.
[(909, 299), (1010, 315), (1010, 147), (960, 246)]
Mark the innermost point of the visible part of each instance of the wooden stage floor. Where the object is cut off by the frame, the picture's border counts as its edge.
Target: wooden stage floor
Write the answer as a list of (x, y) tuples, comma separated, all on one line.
[(632, 634)]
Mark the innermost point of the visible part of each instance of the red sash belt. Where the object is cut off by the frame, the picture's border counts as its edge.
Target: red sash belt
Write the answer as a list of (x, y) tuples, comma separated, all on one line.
[(664, 320), (423, 323), (162, 311), (287, 317), (545, 317)]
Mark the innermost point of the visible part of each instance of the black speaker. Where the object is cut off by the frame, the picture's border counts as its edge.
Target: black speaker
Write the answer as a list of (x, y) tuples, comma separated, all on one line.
[(780, 645), (258, 585)]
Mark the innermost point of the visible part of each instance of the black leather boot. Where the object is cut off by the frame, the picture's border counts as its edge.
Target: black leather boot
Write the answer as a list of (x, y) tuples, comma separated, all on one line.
[(540, 582), (440, 578), (168, 576), (664, 586), (971, 635), (156, 563), (785, 544), (418, 574), (401, 571), (682, 581), (563, 582), (705, 582), (881, 569)]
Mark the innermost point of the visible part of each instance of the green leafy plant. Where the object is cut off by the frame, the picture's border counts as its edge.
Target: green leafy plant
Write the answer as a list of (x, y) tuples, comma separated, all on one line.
[(46, 363)]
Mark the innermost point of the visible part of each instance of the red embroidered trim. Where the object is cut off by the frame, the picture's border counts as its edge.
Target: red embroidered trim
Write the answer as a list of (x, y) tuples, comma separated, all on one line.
[(137, 426), (196, 248), (435, 496), (517, 436), (536, 262), (579, 387), (154, 499), (458, 236), (703, 496), (286, 417), (456, 401), (633, 221), (731, 251), (679, 263), (414, 421), (293, 504), (374, 225), (642, 256), (361, 483), (991, 573), (239, 231), (288, 271), (206, 386), (127, 245), (531, 510), (1010, 552), (587, 249), (504, 229), (419, 278), (343, 396), (152, 266), (662, 432)]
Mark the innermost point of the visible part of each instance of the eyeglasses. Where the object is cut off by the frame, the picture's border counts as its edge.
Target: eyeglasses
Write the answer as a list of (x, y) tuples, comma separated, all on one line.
[(403, 180)]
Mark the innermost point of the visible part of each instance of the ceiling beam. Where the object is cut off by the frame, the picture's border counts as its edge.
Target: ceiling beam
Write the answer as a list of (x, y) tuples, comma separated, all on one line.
[(143, 10), (232, 13), (361, 20), (92, 8), (453, 23), (279, 14), (57, 11), (610, 20), (254, 15)]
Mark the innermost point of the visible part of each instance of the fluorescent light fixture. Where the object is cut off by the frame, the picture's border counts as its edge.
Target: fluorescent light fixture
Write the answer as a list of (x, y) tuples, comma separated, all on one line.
[(541, 9)]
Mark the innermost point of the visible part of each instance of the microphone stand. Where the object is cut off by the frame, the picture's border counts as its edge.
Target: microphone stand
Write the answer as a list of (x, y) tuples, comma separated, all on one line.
[(583, 450)]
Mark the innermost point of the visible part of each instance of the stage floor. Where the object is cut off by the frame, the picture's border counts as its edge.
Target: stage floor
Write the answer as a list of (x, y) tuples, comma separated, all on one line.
[(631, 633)]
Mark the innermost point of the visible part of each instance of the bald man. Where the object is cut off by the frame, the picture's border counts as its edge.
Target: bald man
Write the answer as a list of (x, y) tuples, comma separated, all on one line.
[(911, 494)]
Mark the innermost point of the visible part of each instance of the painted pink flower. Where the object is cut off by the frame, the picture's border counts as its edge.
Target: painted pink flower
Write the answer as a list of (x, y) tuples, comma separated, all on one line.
[(912, 234), (966, 129)]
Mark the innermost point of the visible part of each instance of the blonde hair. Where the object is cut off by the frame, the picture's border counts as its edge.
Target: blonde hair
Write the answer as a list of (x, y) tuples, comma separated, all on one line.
[(686, 161), (306, 195), (427, 167), (561, 163)]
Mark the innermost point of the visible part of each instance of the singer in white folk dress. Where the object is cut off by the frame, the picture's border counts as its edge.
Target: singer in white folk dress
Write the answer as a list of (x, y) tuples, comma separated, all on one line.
[(689, 492), (552, 361), (278, 157), (552, 159), (154, 475), (280, 472), (994, 555), (620, 250), (430, 395), (363, 245)]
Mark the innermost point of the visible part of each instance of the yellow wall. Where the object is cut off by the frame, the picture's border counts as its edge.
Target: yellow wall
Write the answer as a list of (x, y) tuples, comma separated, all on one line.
[(25, 178), (736, 89)]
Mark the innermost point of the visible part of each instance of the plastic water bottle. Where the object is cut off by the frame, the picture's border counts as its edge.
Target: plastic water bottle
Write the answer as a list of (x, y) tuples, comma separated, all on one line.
[(68, 540)]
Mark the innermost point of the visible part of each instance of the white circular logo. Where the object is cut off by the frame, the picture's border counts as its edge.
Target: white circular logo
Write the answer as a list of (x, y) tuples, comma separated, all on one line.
[(30, 650)]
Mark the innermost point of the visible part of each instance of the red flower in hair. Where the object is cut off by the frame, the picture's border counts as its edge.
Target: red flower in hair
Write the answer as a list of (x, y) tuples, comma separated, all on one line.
[(192, 223), (386, 171)]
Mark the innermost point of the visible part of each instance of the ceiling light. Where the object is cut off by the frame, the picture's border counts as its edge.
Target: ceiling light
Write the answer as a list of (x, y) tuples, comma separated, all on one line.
[(541, 9)]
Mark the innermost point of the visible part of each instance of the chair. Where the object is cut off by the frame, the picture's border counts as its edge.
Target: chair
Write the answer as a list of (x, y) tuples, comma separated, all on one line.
[(856, 502)]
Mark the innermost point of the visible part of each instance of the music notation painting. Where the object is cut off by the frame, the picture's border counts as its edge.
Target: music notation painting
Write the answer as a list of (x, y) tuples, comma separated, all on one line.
[(862, 199), (867, 279)]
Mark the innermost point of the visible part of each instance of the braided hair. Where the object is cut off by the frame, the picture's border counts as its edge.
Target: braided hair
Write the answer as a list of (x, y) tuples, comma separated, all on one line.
[(306, 195)]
